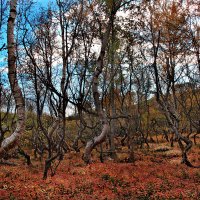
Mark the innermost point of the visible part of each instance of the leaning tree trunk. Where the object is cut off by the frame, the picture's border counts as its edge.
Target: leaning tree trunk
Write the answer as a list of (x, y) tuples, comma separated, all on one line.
[(185, 143), (12, 140), (96, 95), (101, 114)]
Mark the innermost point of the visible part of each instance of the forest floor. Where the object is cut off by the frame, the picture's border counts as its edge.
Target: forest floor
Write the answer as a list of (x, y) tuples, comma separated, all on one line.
[(156, 174)]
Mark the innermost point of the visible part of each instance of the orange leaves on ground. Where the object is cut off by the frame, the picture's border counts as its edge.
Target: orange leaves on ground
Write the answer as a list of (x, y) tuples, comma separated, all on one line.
[(147, 178)]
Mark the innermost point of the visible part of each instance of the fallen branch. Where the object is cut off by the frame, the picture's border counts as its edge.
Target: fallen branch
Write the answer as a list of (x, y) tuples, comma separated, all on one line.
[(4, 162)]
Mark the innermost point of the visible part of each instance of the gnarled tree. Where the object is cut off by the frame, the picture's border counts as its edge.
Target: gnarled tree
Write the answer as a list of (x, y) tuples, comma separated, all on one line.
[(12, 140), (113, 7)]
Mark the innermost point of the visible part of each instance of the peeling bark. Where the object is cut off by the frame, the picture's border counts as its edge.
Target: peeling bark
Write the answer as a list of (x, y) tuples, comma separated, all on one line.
[(96, 140), (96, 95), (12, 140)]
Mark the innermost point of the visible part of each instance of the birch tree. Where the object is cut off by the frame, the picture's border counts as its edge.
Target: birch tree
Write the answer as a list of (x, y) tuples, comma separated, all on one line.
[(112, 8), (12, 140)]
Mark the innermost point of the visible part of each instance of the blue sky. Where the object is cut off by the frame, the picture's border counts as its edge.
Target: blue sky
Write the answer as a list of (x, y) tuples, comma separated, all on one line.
[(44, 2), (3, 54)]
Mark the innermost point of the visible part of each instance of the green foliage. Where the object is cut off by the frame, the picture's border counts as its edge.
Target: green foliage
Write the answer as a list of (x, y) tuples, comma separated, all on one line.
[(12, 197), (115, 181), (108, 3), (184, 174)]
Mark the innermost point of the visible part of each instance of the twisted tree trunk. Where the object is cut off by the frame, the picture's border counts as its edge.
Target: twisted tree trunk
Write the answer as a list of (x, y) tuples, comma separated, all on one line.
[(11, 141), (96, 95), (95, 83)]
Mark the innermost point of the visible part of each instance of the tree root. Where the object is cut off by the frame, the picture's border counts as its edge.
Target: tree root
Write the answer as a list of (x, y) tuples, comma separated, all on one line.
[(4, 162)]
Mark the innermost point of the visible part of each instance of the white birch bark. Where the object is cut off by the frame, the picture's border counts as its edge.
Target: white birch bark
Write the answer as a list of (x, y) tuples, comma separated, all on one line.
[(96, 94), (12, 140)]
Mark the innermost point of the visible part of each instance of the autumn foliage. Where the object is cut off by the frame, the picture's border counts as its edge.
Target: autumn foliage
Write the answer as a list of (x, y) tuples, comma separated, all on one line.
[(156, 174), (101, 100)]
